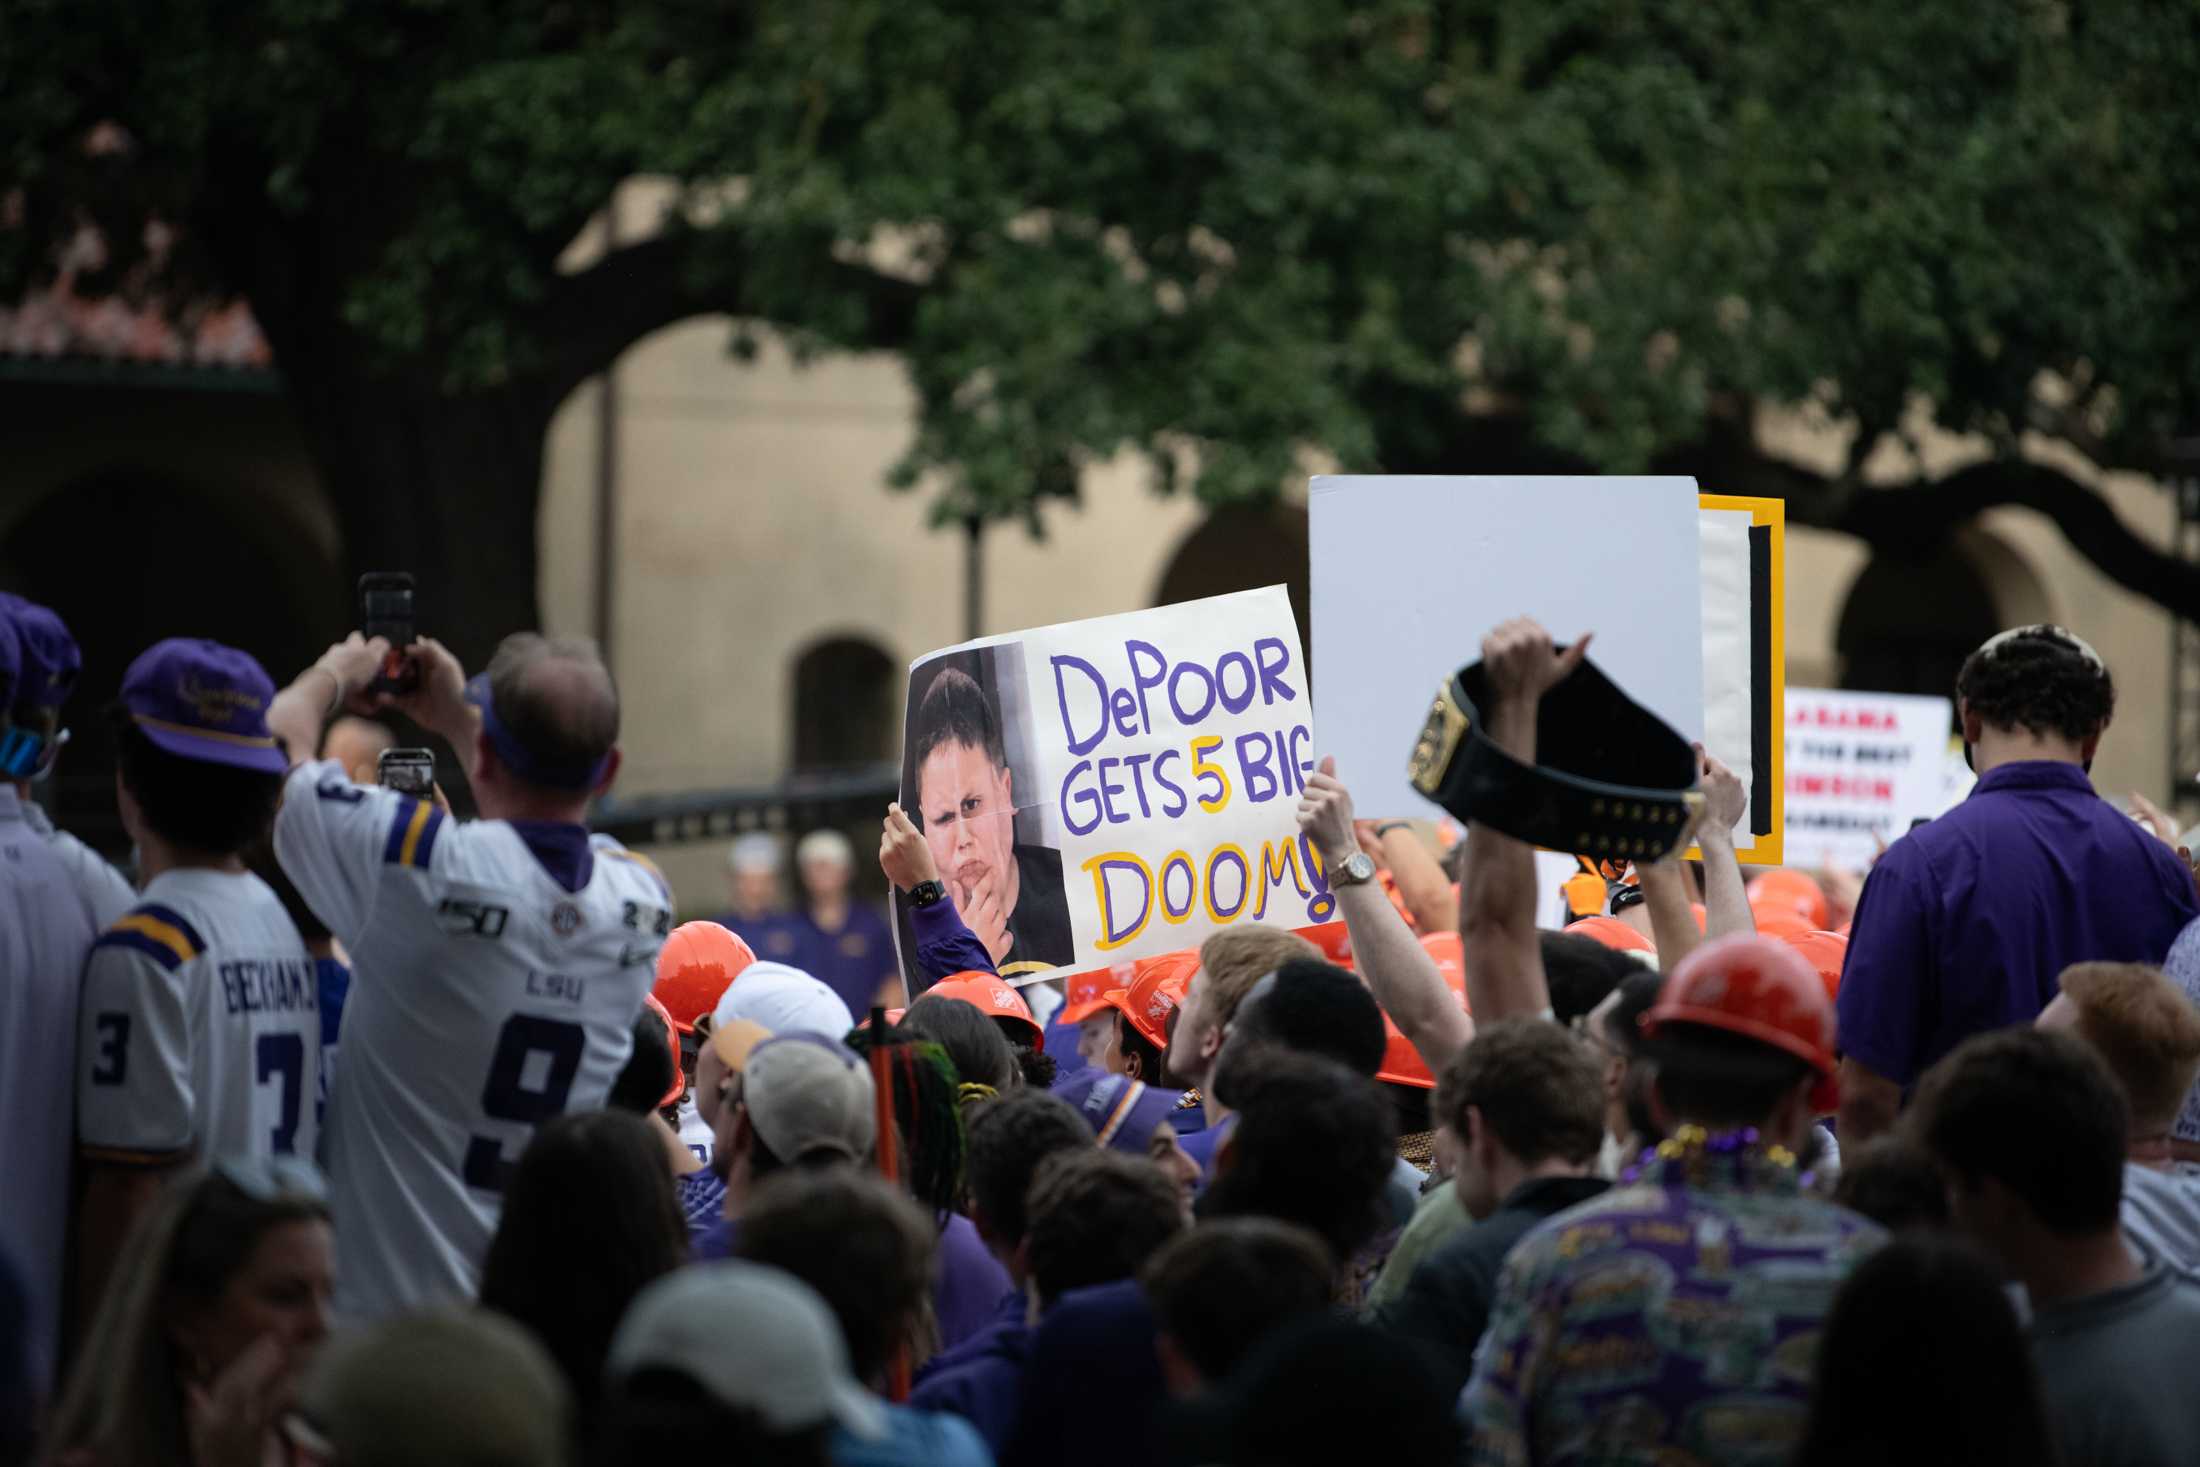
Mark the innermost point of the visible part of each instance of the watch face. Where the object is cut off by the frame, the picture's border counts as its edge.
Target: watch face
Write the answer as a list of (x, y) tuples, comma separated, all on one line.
[(1439, 741)]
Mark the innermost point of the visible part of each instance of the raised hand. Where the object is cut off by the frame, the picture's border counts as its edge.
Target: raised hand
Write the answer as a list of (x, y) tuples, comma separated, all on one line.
[(903, 854), (352, 663), (1521, 663), (1325, 813), (438, 703), (228, 1418), (1725, 799), (982, 910)]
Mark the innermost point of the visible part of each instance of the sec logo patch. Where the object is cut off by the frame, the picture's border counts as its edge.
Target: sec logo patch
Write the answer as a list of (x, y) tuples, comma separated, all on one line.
[(565, 919)]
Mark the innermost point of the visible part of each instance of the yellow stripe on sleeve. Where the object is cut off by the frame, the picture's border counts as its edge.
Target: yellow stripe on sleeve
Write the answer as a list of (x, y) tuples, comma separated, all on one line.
[(166, 934), (419, 822)]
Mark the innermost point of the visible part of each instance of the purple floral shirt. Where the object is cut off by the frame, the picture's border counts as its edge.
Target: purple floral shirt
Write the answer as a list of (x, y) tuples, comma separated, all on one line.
[(1674, 1319)]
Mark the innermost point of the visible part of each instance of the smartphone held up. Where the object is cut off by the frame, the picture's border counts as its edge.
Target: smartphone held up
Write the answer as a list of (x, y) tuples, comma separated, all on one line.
[(386, 611), (408, 771)]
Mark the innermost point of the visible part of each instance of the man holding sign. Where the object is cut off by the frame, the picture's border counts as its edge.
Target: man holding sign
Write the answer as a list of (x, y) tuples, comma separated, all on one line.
[(1010, 894)]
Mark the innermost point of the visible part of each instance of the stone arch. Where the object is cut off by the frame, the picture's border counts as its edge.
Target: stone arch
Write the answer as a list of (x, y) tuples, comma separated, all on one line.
[(1239, 547), (1915, 612), (846, 701)]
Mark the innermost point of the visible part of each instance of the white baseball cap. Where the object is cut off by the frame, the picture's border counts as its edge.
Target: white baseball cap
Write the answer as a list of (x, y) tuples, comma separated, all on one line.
[(824, 845), (783, 1000), (753, 853), (756, 1339)]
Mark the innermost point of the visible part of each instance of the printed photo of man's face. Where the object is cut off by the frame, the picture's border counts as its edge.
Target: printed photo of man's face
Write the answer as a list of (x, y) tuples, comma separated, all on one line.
[(969, 808)]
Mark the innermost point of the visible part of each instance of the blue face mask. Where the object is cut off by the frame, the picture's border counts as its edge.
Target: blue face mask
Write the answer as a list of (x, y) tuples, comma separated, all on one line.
[(24, 755)]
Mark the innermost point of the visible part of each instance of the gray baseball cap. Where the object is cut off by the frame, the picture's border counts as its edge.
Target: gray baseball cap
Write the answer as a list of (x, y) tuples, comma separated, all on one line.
[(807, 1093), (756, 1338)]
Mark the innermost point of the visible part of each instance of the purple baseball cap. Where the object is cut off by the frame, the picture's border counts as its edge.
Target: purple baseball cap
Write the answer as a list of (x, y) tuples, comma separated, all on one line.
[(200, 700), (1121, 1111), (50, 657)]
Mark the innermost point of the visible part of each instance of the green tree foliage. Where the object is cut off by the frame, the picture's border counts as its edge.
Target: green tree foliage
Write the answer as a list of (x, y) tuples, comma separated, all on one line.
[(1414, 235)]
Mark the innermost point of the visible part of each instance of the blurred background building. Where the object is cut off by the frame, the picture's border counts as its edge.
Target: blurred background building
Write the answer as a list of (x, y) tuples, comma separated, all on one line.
[(764, 591)]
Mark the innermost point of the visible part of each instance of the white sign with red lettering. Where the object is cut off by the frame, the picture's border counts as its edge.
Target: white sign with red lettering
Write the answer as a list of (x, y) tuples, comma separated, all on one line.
[(1861, 768)]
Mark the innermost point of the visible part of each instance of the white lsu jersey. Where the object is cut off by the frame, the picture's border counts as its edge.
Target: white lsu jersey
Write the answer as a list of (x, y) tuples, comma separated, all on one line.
[(497, 968), (199, 1029)]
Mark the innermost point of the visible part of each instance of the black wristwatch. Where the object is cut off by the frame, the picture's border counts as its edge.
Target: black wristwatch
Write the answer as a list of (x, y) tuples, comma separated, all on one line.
[(927, 894)]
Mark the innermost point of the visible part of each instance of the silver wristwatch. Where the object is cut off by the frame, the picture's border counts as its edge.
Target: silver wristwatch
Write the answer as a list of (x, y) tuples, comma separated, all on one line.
[(1353, 870)]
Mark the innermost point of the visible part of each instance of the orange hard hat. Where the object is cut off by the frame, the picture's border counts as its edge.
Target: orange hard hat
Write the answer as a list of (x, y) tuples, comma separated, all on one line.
[(1761, 989), (1826, 952), (1795, 890), (1086, 993), (696, 965), (992, 997), (1779, 921), (1157, 986), (1402, 1063), (672, 1041), (1335, 943), (1613, 933)]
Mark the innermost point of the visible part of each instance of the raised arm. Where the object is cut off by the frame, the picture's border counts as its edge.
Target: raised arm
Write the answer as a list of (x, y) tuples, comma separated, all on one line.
[(945, 943), (1725, 897), (1396, 968), (1497, 931), (1418, 875), (1672, 925), (335, 681)]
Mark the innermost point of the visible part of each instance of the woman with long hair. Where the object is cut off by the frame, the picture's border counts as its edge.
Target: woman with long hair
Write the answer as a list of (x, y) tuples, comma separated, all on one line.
[(219, 1300), (970, 1288), (978, 1050), (590, 1217)]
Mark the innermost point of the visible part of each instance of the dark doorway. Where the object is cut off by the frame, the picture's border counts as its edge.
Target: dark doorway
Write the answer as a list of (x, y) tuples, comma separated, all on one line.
[(1911, 619), (128, 559), (1241, 548), (845, 700)]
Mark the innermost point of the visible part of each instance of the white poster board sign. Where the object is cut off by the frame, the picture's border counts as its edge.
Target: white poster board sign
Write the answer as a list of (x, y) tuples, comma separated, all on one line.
[(1104, 790), (1860, 768), (1409, 572)]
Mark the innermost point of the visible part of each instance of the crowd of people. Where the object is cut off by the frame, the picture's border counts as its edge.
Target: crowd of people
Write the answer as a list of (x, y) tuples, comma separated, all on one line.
[(345, 1129)]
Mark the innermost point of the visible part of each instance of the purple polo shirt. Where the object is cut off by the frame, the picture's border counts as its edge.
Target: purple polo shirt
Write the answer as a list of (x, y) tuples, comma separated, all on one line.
[(1968, 921)]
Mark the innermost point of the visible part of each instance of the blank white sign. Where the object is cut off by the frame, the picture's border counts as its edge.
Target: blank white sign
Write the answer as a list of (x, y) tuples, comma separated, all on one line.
[(1409, 572)]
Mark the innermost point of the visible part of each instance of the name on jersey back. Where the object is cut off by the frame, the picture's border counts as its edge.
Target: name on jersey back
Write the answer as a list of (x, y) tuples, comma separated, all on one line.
[(263, 985)]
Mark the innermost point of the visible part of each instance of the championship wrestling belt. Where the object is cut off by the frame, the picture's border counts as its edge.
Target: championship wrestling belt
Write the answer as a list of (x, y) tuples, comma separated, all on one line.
[(1614, 780)]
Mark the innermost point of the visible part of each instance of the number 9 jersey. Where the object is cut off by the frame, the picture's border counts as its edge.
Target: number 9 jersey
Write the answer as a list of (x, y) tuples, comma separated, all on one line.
[(497, 967), (199, 1030)]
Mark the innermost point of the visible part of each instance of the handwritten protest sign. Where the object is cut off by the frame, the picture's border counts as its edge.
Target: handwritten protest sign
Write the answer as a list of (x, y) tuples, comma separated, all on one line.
[(1103, 790), (1860, 768)]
